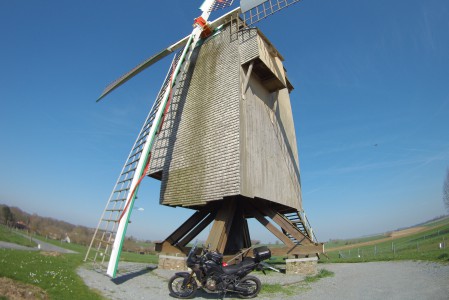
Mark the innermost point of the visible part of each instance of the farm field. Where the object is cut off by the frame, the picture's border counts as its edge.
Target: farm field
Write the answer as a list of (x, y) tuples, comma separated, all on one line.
[(425, 242)]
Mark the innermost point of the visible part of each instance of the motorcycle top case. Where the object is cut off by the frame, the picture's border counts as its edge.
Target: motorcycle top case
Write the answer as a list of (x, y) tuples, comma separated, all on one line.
[(261, 253)]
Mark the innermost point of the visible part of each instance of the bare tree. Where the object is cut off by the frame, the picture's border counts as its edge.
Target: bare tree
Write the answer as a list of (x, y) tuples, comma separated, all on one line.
[(446, 191)]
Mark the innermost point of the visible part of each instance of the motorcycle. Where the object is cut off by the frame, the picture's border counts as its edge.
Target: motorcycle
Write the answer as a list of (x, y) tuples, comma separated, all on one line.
[(209, 272)]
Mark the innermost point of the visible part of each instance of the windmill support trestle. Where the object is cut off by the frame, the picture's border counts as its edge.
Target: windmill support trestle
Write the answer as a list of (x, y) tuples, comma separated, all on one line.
[(230, 233)]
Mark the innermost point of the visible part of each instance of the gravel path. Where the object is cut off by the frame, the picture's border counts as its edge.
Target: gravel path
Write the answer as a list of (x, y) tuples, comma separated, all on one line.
[(383, 280), (376, 280)]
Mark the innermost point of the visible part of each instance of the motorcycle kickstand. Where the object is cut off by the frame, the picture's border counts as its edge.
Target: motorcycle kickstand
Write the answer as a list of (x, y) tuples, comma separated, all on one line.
[(223, 295)]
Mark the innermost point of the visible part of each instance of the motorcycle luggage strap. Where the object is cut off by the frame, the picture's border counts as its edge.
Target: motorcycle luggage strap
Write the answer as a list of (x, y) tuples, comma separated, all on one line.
[(248, 261)]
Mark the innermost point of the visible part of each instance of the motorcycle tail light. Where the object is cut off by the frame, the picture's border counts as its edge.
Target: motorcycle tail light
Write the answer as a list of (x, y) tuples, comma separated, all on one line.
[(224, 264)]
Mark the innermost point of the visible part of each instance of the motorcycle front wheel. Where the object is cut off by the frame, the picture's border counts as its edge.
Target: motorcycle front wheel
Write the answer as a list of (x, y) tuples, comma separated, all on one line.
[(176, 288), (252, 285)]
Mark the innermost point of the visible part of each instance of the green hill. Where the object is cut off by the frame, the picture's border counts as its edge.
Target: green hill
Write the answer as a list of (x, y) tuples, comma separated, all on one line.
[(427, 241)]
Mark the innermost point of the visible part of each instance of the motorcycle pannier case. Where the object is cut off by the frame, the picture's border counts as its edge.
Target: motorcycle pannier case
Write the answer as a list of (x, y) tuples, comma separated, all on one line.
[(261, 253)]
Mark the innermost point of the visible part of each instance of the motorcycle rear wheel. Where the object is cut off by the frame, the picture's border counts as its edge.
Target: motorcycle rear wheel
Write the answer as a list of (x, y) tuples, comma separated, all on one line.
[(252, 284), (178, 291)]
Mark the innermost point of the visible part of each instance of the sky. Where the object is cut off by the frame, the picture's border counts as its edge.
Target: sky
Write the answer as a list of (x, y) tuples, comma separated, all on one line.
[(370, 106)]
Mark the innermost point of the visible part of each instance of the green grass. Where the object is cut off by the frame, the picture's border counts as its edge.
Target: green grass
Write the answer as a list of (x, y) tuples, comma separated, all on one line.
[(420, 246), (125, 256), (338, 243), (136, 257), (55, 274), (437, 222), (278, 288), (145, 244), (321, 274), (11, 236), (294, 288)]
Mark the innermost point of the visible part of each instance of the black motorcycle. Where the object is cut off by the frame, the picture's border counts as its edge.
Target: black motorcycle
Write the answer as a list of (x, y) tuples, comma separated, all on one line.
[(209, 272)]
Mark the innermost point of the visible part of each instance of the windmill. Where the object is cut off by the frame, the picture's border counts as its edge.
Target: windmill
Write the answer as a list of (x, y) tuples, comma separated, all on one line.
[(220, 137)]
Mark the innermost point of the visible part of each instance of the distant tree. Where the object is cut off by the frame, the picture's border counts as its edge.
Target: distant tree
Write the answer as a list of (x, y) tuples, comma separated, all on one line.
[(8, 216), (446, 191)]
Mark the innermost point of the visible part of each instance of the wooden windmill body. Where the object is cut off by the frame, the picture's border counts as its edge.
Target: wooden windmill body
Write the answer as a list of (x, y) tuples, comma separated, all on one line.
[(227, 147), (221, 139)]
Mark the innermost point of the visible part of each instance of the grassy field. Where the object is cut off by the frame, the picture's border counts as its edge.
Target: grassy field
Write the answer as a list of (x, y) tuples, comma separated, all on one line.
[(52, 272), (431, 244), (55, 274), (125, 256), (11, 236)]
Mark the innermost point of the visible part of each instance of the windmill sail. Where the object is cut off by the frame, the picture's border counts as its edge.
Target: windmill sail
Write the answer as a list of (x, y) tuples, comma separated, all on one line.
[(106, 233), (255, 10), (142, 66), (220, 4)]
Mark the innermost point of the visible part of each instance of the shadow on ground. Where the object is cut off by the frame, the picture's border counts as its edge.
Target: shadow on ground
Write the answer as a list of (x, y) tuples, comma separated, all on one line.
[(130, 274)]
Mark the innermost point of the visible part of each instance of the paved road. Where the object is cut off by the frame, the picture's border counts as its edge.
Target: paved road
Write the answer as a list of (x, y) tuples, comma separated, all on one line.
[(377, 280), (15, 246), (51, 248), (41, 246)]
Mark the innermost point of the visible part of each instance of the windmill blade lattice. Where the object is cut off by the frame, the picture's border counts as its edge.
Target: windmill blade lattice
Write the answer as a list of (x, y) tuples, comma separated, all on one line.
[(100, 248), (254, 11)]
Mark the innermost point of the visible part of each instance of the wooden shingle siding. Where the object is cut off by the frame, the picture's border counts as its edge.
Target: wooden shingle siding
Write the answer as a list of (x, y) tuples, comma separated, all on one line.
[(202, 153), (214, 143)]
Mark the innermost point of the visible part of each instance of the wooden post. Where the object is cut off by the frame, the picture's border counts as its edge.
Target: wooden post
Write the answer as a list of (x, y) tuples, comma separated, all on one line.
[(218, 235)]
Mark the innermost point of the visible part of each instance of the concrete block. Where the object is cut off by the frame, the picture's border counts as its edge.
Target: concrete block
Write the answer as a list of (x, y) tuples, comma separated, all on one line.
[(171, 262), (302, 266)]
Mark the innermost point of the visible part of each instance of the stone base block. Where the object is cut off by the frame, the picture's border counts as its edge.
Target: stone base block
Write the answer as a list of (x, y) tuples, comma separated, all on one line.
[(171, 262), (302, 266)]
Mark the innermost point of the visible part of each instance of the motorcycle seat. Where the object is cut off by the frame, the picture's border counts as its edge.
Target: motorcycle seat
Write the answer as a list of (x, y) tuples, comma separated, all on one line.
[(247, 262)]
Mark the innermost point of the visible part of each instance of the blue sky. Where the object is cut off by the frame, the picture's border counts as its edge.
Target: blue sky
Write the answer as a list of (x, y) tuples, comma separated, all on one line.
[(371, 107)]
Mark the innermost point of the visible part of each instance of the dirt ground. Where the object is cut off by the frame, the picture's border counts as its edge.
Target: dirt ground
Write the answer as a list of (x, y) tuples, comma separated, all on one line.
[(14, 290)]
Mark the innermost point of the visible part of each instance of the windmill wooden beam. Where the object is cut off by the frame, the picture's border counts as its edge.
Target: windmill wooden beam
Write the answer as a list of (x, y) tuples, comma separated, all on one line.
[(229, 233)]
